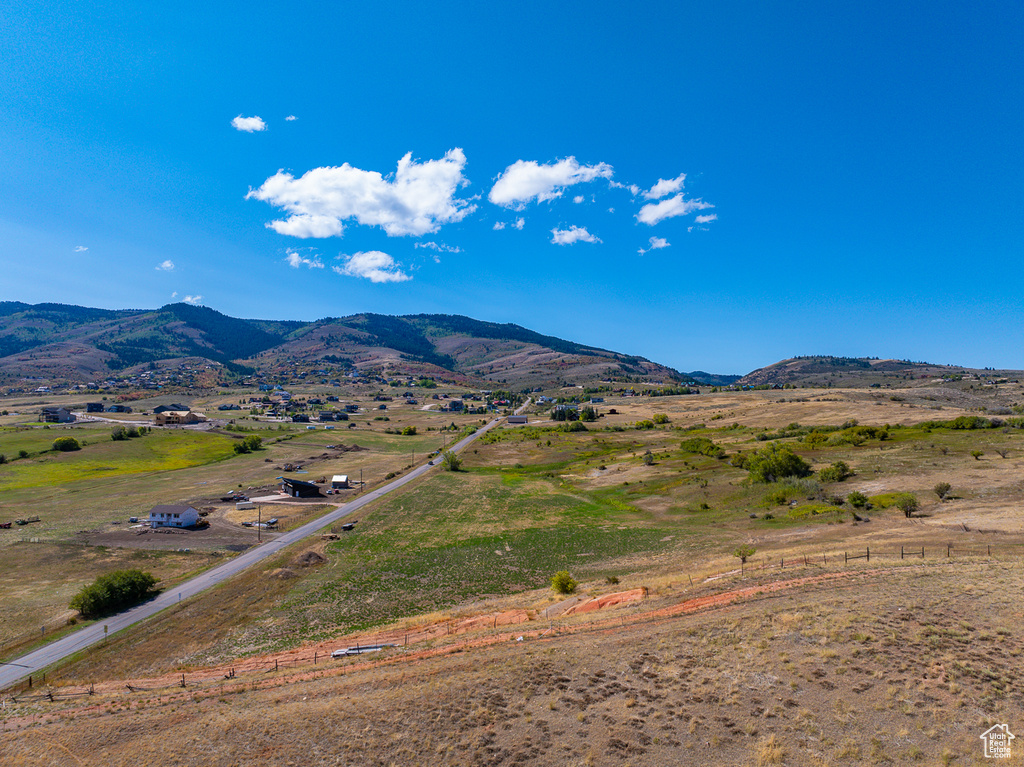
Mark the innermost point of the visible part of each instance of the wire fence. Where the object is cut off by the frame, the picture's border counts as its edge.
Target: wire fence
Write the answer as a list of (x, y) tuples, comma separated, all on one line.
[(32, 689)]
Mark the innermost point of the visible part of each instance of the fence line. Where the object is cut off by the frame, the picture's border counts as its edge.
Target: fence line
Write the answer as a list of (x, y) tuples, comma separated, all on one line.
[(451, 627)]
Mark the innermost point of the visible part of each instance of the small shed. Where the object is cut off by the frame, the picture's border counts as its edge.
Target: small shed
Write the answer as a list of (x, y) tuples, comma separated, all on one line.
[(339, 482), (518, 419), (297, 488), (173, 516)]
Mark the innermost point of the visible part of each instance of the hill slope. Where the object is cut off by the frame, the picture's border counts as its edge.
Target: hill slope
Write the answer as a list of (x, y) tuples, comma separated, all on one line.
[(55, 342)]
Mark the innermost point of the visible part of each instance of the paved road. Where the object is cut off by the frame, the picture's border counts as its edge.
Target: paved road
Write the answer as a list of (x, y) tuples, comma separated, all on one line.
[(45, 656)]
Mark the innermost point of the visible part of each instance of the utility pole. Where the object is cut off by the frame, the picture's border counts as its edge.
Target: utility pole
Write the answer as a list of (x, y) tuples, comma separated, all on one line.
[(259, 523)]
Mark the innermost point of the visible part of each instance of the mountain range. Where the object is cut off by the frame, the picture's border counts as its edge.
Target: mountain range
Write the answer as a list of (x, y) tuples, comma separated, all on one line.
[(75, 344)]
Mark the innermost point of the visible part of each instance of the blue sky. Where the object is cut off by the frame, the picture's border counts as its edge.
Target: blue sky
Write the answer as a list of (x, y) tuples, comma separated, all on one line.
[(714, 186)]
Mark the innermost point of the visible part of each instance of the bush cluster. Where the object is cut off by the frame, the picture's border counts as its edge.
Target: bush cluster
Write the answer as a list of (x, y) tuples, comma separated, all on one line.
[(119, 433), (113, 592), (772, 463), (837, 472), (248, 445), (66, 444), (702, 446)]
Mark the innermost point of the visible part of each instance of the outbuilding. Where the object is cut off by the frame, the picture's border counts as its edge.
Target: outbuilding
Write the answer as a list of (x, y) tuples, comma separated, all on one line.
[(296, 488), (339, 482)]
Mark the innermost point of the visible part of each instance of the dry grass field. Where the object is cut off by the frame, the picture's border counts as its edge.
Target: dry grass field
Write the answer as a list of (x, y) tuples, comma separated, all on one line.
[(802, 657), (893, 665)]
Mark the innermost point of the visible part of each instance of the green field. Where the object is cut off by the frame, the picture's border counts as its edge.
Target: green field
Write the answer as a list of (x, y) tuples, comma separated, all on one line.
[(102, 457)]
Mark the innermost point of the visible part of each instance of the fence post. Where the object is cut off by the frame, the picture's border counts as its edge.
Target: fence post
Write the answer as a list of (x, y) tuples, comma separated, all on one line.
[(30, 681), (846, 558), (868, 555), (275, 664), (949, 547), (782, 563), (182, 680), (314, 657), (990, 549), (901, 552)]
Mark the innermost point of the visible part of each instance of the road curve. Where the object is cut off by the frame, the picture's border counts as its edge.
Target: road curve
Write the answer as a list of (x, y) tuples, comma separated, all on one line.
[(37, 660)]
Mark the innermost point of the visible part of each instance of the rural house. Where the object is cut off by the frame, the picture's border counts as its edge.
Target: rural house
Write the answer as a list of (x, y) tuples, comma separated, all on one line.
[(56, 415), (173, 516), (166, 408), (93, 407), (178, 418)]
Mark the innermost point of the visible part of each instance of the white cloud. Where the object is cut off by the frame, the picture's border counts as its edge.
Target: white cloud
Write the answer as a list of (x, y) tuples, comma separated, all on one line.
[(193, 299), (665, 187), (174, 294), (417, 199), (706, 219), (291, 118), (527, 181), (295, 259), (578, 199), (249, 124), (571, 235), (373, 266), (80, 249), (166, 266), (440, 248), (519, 223), (654, 212), (499, 225), (656, 243), (632, 188)]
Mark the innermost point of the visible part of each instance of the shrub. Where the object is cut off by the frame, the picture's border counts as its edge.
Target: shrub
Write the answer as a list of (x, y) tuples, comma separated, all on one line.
[(775, 462), (118, 433), (23, 454), (942, 490), (907, 503), (976, 454), (563, 583), (644, 424), (66, 444), (744, 553), (3, 458), (648, 458), (572, 426), (815, 438), (112, 592), (837, 472), (409, 431), (702, 446), (450, 461), (660, 418), (857, 499)]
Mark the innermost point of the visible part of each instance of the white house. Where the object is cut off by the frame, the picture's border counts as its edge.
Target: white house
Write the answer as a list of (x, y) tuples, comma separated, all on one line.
[(173, 516), (339, 481)]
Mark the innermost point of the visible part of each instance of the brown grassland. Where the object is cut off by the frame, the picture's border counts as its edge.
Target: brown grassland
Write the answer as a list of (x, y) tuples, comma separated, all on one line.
[(670, 653)]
